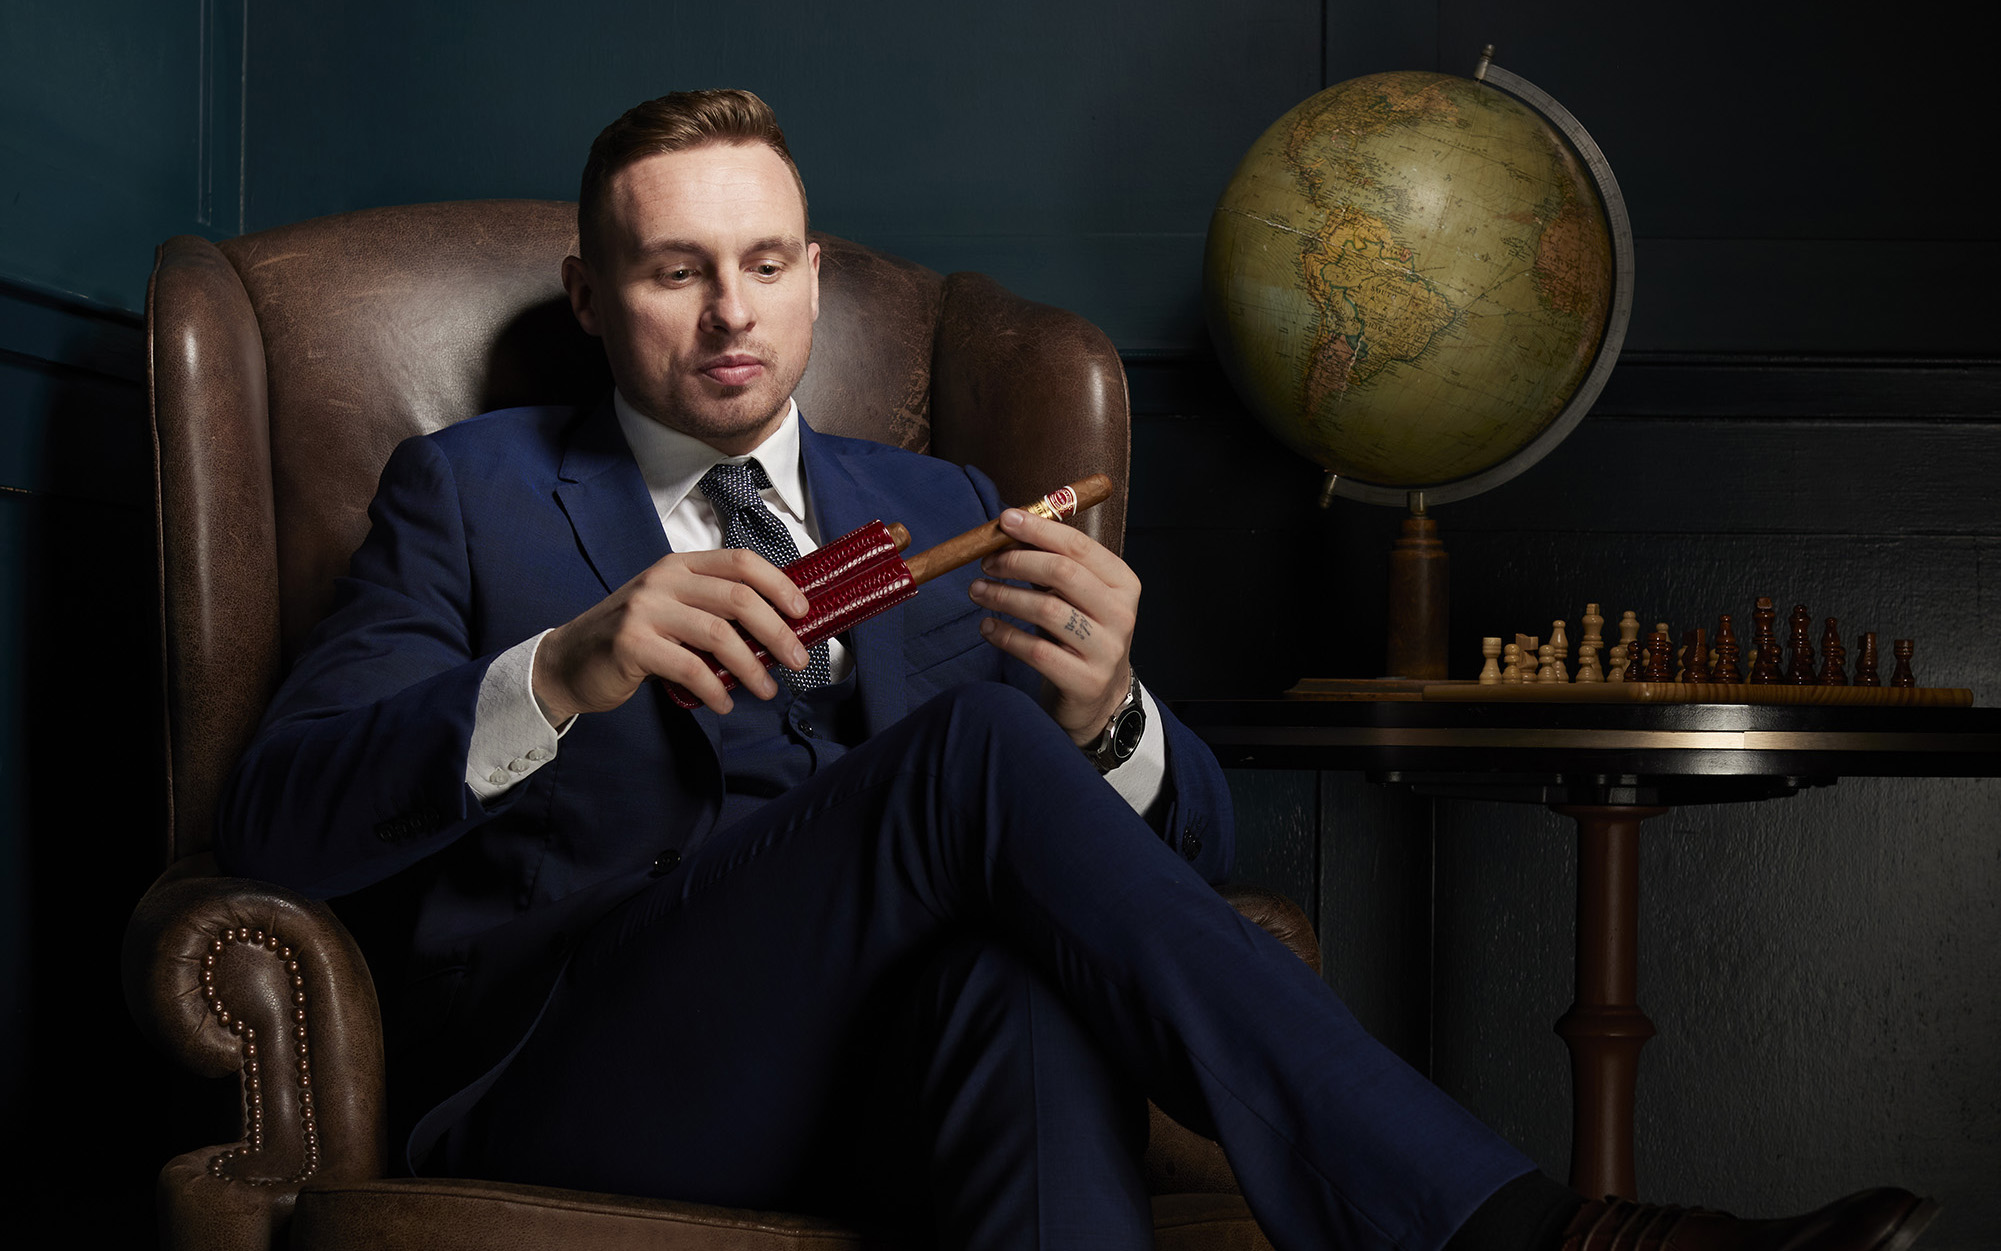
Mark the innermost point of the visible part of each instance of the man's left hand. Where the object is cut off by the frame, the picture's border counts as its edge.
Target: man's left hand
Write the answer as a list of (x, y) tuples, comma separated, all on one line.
[(1086, 602)]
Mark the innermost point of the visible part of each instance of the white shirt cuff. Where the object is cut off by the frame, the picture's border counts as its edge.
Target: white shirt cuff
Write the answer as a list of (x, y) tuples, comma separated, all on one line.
[(511, 736), (1140, 779)]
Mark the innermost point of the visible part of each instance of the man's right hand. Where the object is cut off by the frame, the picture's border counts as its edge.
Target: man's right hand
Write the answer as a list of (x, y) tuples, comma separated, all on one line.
[(653, 626)]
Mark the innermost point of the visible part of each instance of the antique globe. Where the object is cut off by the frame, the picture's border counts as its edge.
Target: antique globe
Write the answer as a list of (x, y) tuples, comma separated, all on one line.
[(1420, 282)]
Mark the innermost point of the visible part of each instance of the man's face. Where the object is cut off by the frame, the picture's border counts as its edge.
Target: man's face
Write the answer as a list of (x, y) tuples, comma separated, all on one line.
[(705, 292)]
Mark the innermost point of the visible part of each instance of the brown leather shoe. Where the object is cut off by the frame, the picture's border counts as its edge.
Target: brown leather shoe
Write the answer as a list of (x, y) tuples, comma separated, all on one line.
[(1872, 1220)]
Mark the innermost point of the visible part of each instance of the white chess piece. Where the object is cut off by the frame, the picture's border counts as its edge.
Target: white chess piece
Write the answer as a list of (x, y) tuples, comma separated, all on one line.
[(1490, 673), (1587, 664)]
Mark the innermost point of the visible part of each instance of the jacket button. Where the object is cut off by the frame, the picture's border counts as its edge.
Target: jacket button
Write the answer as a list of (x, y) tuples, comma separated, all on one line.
[(806, 727), (666, 862), (1191, 844)]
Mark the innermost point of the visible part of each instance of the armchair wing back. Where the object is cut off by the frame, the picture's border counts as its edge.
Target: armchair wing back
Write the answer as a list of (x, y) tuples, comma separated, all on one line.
[(286, 365)]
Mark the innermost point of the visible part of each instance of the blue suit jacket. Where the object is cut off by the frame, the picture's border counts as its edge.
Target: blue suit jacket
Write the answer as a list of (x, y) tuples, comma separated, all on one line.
[(482, 535)]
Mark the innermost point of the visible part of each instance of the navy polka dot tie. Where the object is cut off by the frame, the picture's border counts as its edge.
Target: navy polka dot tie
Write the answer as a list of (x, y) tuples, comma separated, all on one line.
[(749, 523)]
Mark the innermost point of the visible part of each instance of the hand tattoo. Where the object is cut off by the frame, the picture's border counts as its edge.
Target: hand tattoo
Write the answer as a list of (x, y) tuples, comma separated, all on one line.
[(1078, 624)]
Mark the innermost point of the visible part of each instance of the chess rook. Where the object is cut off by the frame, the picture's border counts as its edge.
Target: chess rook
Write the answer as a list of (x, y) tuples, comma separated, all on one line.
[(1901, 676)]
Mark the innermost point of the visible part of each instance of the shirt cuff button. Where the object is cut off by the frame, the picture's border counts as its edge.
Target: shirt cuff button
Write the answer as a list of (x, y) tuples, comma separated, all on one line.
[(498, 777), (537, 754)]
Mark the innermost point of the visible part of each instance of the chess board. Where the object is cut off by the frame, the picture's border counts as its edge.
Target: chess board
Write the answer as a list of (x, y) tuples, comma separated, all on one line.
[(1699, 693), (1644, 667), (1468, 691)]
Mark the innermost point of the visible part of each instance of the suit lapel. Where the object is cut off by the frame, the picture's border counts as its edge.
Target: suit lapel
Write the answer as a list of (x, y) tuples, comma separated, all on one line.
[(606, 500), (618, 530), (843, 503)]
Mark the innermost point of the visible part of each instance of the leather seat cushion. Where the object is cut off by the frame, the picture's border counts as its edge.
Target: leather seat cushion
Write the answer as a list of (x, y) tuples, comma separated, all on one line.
[(434, 1214)]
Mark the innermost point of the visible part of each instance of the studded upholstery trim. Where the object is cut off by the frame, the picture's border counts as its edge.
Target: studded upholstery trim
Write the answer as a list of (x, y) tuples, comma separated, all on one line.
[(223, 1164)]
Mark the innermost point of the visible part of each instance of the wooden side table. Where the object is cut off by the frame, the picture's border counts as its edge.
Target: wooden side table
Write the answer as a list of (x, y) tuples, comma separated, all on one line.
[(1609, 768)]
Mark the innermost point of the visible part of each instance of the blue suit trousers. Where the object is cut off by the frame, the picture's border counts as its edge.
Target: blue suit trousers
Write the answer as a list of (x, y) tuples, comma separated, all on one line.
[(947, 966)]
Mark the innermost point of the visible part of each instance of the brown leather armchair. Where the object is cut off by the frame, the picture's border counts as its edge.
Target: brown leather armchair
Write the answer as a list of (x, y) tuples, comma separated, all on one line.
[(284, 367)]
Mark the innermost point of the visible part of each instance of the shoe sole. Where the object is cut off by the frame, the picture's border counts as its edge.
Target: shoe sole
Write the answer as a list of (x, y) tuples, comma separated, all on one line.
[(1910, 1227)]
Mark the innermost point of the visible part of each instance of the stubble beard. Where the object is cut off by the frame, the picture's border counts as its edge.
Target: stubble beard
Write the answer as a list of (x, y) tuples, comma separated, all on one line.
[(735, 414)]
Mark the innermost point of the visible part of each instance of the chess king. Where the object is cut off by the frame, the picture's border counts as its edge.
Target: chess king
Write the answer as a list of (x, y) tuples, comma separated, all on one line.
[(906, 933)]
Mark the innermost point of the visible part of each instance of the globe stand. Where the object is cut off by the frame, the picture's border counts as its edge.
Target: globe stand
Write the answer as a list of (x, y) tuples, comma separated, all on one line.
[(1419, 598)]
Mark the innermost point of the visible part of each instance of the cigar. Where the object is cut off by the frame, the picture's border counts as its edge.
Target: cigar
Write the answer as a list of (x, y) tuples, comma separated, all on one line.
[(861, 573), (981, 541)]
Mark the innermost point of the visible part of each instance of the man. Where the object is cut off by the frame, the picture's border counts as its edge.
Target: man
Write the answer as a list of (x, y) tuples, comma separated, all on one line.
[(905, 935)]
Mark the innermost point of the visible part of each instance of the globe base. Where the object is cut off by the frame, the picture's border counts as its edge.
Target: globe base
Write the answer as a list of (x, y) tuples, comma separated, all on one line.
[(1419, 599)]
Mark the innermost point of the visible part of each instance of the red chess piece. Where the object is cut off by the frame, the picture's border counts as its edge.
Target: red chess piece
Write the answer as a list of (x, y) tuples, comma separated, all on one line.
[(1695, 657), (1765, 641), (1660, 657), (1901, 675), (1865, 661), (1727, 652), (1832, 655), (1801, 672)]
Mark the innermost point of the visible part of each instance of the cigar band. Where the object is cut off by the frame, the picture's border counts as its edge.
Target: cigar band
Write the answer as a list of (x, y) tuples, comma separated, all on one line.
[(1058, 505)]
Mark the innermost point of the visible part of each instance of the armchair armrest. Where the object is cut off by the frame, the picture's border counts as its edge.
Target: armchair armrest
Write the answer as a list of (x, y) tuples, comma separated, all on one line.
[(235, 976), (1279, 916)]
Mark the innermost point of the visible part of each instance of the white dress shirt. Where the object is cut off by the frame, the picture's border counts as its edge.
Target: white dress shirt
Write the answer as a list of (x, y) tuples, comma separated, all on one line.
[(512, 736)]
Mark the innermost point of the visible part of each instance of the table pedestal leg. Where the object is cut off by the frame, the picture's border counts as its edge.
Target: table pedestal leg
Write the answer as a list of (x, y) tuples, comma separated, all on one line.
[(1605, 1028)]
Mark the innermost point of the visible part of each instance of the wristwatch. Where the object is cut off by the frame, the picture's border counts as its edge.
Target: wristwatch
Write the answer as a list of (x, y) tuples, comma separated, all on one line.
[(1122, 733)]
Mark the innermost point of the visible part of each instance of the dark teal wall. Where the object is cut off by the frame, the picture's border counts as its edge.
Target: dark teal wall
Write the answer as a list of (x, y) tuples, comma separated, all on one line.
[(1808, 406), (1073, 150), (122, 127)]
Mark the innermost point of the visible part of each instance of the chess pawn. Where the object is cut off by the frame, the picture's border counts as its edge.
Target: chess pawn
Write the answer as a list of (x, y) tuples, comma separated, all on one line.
[(1490, 673), (1511, 672), (1639, 661), (1832, 656), (1764, 643), (1901, 676), (1587, 664), (1800, 626), (1617, 671), (1865, 661), (1726, 652), (1547, 673)]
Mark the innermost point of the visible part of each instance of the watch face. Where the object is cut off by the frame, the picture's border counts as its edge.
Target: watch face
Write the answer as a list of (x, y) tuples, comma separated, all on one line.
[(1127, 732)]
